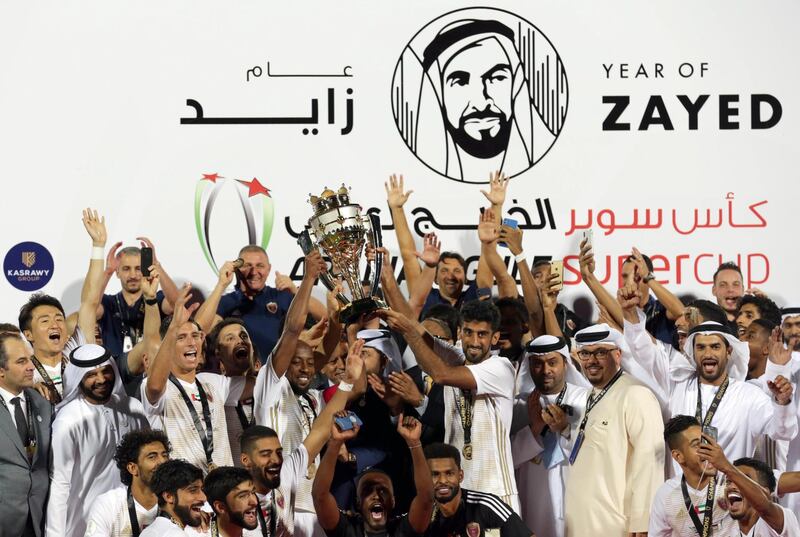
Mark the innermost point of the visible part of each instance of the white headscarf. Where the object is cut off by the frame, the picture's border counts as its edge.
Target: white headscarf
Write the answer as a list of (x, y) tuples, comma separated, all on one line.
[(789, 312), (545, 345), (710, 327), (383, 342), (82, 360)]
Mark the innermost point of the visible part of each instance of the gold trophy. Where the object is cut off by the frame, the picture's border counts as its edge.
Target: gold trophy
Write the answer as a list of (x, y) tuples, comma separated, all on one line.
[(341, 232)]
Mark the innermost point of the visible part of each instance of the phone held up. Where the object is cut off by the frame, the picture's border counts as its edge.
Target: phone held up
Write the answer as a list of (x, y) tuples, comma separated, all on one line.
[(146, 261)]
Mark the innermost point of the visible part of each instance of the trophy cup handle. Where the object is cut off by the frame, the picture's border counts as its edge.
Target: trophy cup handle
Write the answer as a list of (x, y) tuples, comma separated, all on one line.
[(307, 245), (376, 241)]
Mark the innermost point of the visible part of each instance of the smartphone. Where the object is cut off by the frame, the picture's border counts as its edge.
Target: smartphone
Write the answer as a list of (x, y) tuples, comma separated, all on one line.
[(348, 422), (557, 267), (510, 222), (711, 431), (146, 261), (588, 236)]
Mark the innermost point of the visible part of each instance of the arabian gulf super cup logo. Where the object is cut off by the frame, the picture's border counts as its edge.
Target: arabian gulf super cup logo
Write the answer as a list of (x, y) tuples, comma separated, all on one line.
[(479, 90), (256, 205)]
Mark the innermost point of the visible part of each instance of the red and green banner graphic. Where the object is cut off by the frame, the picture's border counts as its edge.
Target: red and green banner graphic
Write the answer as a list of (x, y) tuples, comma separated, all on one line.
[(256, 201)]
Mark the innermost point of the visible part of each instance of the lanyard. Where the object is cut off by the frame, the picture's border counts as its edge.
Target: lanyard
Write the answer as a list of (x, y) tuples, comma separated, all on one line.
[(207, 436), (464, 404), (135, 530), (267, 530), (592, 401), (125, 321), (590, 404), (30, 442), (559, 400), (309, 412), (242, 416), (46, 377), (714, 404), (704, 529)]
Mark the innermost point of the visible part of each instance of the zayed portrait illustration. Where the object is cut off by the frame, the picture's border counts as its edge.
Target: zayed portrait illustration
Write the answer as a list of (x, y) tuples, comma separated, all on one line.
[(479, 90)]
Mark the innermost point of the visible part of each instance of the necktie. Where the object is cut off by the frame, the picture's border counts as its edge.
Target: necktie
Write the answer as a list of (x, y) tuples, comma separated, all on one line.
[(19, 417), (552, 456)]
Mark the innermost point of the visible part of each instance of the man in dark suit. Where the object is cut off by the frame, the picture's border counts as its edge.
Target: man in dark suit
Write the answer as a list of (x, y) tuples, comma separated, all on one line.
[(25, 419)]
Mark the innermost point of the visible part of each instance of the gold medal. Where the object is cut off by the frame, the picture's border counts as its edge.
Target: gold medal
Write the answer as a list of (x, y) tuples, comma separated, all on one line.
[(312, 470), (467, 451)]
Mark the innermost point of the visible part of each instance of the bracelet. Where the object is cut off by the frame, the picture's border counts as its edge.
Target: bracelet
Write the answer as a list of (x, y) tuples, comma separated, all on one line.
[(345, 387), (151, 301), (520, 257), (98, 252), (418, 444)]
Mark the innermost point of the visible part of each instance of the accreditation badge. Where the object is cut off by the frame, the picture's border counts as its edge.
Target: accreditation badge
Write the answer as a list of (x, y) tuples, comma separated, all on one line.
[(576, 447)]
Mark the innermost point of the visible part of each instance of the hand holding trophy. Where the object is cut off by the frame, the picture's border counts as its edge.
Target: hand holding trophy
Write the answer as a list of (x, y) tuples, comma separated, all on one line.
[(341, 232)]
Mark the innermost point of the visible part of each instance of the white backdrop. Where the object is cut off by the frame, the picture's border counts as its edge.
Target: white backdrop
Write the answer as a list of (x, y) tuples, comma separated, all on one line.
[(92, 93)]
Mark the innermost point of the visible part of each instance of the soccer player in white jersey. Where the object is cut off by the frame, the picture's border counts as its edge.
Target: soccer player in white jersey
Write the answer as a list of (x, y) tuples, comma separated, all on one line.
[(188, 406), (479, 392), (277, 477), (705, 386), (126, 510), (284, 400), (178, 486), (689, 504), (749, 490)]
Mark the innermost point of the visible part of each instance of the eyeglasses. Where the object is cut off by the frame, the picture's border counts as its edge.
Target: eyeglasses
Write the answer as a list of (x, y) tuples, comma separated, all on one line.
[(600, 354)]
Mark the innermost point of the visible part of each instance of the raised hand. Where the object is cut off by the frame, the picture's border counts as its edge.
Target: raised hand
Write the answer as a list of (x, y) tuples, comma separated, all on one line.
[(386, 394), (183, 312), (354, 365), (150, 284), (403, 385), (410, 429), (586, 259), (313, 336), (284, 283), (397, 321), (548, 292), (112, 261), (628, 296), (512, 236), (488, 230), (226, 272), (535, 411), (145, 242), (555, 418), (498, 184), (641, 266), (339, 436), (431, 249), (781, 389), (315, 265), (778, 352), (96, 227), (395, 193)]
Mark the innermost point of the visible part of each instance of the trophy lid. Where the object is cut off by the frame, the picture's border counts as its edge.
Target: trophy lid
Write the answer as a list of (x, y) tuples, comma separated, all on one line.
[(329, 199)]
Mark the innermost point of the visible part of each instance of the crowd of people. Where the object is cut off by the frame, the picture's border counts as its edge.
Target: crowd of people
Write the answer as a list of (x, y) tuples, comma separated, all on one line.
[(464, 408)]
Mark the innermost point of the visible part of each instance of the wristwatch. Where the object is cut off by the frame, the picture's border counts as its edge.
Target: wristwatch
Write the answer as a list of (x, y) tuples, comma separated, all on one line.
[(151, 301), (650, 276)]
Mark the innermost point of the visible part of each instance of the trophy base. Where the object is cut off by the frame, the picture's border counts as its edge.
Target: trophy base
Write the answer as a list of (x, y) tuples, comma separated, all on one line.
[(353, 311)]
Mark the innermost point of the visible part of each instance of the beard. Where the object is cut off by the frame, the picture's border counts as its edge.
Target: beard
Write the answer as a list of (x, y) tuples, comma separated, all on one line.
[(184, 514), (97, 397), (238, 519), (489, 145), (453, 493)]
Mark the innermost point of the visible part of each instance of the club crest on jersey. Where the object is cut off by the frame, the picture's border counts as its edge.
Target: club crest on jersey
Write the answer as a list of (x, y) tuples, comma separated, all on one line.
[(473, 529), (272, 307)]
